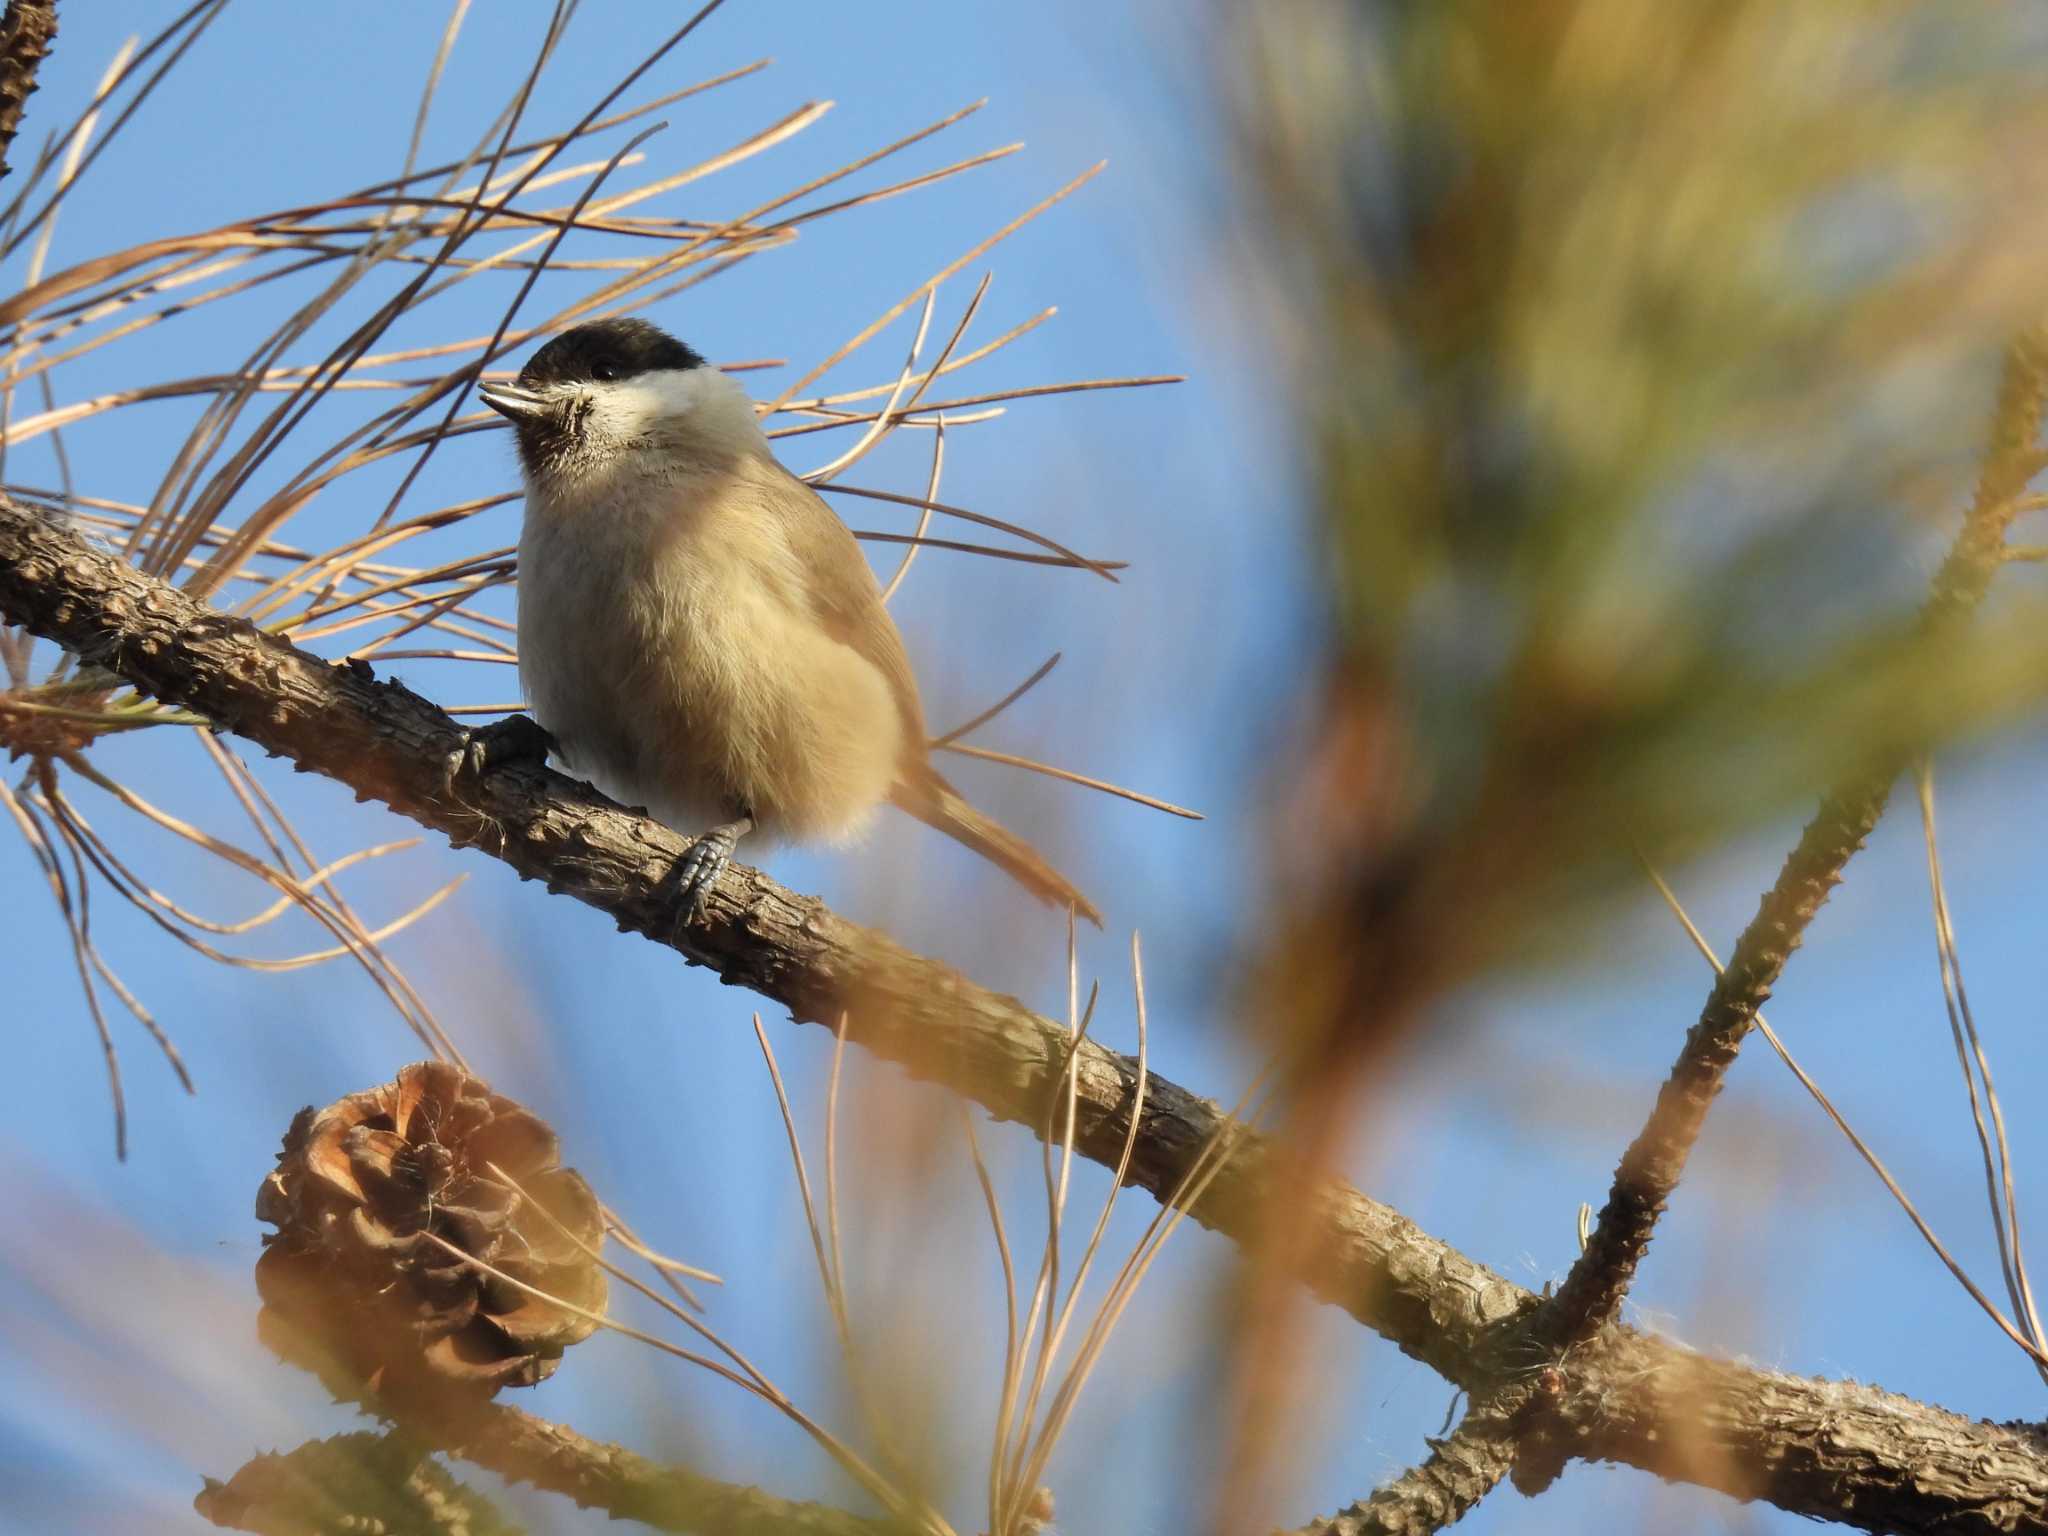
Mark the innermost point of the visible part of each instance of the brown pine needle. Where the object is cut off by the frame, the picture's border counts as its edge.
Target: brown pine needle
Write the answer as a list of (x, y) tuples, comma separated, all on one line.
[(974, 723), (1067, 775), (986, 551), (980, 519), (875, 326), (60, 892), (1992, 1144), (964, 360), (1863, 1149), (924, 519)]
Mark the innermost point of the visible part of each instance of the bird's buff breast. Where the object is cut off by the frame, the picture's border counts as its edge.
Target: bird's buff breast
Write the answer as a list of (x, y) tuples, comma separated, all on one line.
[(676, 670)]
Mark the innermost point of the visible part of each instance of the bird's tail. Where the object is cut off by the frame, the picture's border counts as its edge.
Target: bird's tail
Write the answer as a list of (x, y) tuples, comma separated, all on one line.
[(937, 804)]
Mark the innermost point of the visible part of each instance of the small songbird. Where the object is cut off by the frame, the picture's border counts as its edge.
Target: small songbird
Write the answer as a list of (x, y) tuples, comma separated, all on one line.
[(699, 633)]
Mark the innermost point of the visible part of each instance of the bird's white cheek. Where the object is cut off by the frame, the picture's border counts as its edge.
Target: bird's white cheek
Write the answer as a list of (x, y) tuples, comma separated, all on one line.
[(622, 412)]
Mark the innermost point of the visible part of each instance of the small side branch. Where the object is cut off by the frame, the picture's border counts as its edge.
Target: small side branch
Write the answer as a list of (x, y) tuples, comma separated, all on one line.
[(356, 1482), (1591, 1295), (391, 1482), (1438, 1492), (521, 1448)]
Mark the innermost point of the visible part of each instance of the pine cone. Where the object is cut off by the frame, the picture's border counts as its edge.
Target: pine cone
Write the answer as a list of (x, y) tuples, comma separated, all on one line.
[(355, 1290)]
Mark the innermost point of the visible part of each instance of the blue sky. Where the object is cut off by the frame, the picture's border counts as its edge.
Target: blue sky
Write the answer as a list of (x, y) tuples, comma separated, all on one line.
[(128, 1367)]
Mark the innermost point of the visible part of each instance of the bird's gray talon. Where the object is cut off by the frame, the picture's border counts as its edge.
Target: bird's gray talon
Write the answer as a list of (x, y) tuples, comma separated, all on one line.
[(701, 869), (703, 865), (514, 739)]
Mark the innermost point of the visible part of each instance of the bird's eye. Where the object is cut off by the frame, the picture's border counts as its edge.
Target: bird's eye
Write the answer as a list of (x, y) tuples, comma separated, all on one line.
[(604, 373)]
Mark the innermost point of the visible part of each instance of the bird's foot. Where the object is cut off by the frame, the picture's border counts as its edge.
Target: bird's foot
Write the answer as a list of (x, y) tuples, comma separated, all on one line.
[(703, 865), (514, 739)]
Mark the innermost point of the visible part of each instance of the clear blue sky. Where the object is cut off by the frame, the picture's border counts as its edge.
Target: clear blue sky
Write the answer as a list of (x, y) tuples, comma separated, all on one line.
[(128, 1366)]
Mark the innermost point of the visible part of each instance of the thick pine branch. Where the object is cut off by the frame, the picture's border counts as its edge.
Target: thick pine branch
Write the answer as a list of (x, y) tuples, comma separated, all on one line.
[(1836, 1451)]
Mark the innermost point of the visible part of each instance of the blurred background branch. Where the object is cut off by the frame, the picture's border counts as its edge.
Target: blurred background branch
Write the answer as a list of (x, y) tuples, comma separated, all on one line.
[(390, 1483)]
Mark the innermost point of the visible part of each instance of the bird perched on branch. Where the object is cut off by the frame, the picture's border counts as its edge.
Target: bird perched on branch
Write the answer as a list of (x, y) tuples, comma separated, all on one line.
[(699, 633)]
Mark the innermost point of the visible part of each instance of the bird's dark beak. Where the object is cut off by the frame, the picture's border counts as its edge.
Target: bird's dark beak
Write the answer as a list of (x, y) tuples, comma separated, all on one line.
[(514, 402)]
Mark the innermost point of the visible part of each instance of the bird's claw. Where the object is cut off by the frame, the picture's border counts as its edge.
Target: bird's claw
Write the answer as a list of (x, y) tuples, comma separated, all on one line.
[(703, 865), (700, 869), (514, 739)]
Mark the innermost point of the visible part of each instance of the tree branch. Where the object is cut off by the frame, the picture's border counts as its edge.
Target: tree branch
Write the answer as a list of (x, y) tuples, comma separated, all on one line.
[(25, 34), (1650, 1169), (1592, 1292), (1640, 1400), (1441, 1491), (353, 1482), (1893, 1464), (389, 1482), (524, 1449)]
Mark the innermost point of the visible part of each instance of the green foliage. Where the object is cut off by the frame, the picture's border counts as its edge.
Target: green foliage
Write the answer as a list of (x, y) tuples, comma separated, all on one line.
[(1644, 352)]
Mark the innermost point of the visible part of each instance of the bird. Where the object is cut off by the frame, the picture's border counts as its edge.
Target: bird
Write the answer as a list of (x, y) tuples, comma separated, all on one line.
[(699, 633)]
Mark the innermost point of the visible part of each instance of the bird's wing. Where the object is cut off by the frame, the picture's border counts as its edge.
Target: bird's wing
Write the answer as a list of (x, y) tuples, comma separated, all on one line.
[(848, 602)]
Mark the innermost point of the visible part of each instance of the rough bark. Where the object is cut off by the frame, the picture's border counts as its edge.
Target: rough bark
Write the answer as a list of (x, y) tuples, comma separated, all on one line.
[(1650, 1169), (524, 1449), (26, 31), (1833, 1450), (1440, 1491)]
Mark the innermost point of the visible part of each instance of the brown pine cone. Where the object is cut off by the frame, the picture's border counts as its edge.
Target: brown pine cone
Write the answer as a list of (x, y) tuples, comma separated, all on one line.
[(355, 1290)]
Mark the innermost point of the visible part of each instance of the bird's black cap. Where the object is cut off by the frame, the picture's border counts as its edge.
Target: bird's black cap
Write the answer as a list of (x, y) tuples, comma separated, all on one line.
[(604, 350)]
